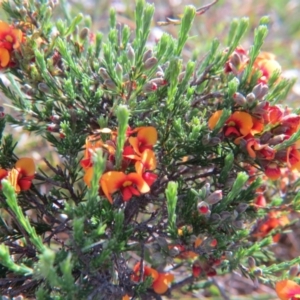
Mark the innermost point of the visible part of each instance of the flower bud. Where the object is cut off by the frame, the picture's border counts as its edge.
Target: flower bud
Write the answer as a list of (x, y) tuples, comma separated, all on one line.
[(150, 63), (239, 99), (203, 208), (215, 218), (258, 272), (214, 141), (294, 270), (278, 139), (260, 90), (159, 81), (251, 262), (53, 127), (250, 98), (196, 268), (238, 224), (84, 33), (110, 85), (215, 197), (265, 137), (205, 140), (103, 73), (242, 208), (181, 76), (225, 215), (119, 69), (150, 87), (131, 54), (43, 87), (147, 55)]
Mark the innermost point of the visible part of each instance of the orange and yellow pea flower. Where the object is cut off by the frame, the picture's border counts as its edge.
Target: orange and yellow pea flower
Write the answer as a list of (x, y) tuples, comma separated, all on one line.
[(239, 124), (287, 290), (160, 281), (146, 138), (267, 65), (10, 39), (21, 176), (129, 185)]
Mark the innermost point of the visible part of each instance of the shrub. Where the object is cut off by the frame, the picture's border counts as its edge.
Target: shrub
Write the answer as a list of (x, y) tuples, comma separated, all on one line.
[(170, 171)]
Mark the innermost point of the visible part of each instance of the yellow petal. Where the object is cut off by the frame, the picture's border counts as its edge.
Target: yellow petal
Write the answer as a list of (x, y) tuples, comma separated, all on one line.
[(26, 166)]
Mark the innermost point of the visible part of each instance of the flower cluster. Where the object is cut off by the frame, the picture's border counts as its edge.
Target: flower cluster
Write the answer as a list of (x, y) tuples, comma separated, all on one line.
[(138, 162), (21, 176), (160, 281), (265, 63), (258, 128), (10, 40)]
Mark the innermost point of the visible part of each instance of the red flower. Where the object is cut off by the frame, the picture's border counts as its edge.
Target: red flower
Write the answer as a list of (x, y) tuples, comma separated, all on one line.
[(287, 290), (20, 177), (10, 39), (160, 281), (129, 184)]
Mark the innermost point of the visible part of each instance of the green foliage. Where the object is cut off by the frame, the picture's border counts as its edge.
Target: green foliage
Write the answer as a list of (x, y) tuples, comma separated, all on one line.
[(193, 197)]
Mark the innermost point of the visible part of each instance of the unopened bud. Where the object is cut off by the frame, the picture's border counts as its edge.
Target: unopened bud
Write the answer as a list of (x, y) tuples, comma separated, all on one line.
[(260, 90), (181, 76), (294, 270), (110, 85), (147, 55), (214, 141), (27, 89), (265, 137), (215, 218), (242, 208), (159, 81), (150, 87), (53, 3), (239, 99), (43, 87), (150, 63), (53, 127), (203, 208), (278, 139), (103, 73), (55, 118), (211, 272), (84, 33), (196, 268), (251, 262), (238, 224), (119, 70), (258, 272), (235, 59), (250, 98), (131, 54), (215, 197), (225, 215)]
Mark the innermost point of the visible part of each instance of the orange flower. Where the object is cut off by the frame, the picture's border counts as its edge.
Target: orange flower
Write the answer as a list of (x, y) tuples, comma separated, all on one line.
[(267, 65), (20, 177), (147, 162), (129, 184), (146, 138), (160, 281), (272, 170), (255, 149), (273, 221), (10, 39), (293, 157), (287, 290), (239, 124)]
